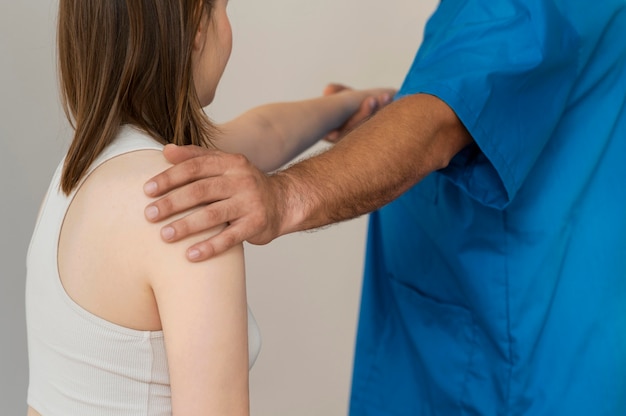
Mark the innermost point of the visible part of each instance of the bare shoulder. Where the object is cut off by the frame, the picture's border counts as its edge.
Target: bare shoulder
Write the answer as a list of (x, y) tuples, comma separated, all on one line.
[(125, 171), (115, 192), (105, 242), (113, 262)]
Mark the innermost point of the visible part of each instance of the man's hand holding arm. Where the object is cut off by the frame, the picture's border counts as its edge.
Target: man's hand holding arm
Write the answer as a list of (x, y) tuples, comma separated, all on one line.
[(371, 166)]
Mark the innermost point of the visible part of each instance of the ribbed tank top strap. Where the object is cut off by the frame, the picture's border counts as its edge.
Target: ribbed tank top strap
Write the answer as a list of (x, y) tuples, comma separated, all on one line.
[(129, 139)]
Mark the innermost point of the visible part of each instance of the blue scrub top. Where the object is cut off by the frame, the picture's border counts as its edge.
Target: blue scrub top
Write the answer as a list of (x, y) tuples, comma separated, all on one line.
[(497, 286)]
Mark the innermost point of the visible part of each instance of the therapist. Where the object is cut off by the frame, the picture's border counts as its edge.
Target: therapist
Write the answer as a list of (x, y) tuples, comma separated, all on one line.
[(495, 279)]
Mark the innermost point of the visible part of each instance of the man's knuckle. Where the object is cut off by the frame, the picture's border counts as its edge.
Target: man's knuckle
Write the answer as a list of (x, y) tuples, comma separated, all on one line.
[(209, 215), (240, 160), (165, 205), (229, 239), (182, 227), (249, 181), (197, 191), (163, 180), (258, 221), (196, 167)]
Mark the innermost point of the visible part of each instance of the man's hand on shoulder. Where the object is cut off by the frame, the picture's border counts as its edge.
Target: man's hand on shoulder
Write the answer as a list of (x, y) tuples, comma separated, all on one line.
[(227, 188)]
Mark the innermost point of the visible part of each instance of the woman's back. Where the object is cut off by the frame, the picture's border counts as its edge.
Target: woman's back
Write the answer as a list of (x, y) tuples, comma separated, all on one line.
[(94, 328)]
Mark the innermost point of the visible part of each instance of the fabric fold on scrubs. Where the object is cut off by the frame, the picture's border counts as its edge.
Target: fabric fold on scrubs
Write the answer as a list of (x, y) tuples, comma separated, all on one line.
[(497, 286), (495, 84)]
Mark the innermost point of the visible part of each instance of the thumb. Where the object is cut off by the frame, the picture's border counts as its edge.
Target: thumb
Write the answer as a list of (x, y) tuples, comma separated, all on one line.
[(333, 88), (176, 154)]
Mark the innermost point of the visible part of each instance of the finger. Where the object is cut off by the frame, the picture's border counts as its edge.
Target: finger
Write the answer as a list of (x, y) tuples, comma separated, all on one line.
[(333, 136), (367, 108), (176, 154), (202, 219), (333, 88), (384, 99), (216, 245), (208, 164), (188, 196)]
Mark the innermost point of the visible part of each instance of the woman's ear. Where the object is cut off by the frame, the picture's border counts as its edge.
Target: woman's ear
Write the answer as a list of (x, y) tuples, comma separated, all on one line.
[(199, 39), (203, 28)]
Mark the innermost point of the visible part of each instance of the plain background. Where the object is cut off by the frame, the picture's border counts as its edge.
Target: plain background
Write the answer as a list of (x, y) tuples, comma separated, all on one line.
[(304, 289)]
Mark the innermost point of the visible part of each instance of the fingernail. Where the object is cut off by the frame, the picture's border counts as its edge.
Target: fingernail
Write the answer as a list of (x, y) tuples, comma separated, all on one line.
[(150, 188), (167, 233), (373, 104), (152, 212), (193, 254)]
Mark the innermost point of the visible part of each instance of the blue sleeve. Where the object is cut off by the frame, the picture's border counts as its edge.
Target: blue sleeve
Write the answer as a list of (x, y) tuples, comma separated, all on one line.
[(506, 68)]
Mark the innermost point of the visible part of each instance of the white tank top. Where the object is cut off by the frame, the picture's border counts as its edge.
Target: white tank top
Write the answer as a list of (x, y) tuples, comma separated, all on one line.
[(79, 363)]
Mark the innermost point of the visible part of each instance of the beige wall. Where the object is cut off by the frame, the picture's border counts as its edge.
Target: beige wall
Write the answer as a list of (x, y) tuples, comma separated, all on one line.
[(304, 289)]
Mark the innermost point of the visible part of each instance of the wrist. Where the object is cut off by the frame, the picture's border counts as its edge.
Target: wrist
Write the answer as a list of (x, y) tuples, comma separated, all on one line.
[(293, 204)]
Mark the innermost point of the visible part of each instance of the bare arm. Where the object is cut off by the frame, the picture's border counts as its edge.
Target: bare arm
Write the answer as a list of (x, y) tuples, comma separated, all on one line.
[(270, 135), (203, 312), (371, 166)]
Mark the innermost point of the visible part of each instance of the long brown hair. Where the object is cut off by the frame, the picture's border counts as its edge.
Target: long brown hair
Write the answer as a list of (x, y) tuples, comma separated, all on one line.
[(128, 61)]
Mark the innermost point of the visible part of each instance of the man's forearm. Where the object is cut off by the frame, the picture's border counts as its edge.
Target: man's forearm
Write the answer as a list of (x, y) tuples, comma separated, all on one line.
[(372, 165)]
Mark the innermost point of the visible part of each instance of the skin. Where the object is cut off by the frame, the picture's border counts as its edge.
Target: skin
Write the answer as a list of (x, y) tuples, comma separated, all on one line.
[(273, 134), (134, 280), (367, 109), (207, 356), (212, 49), (410, 138)]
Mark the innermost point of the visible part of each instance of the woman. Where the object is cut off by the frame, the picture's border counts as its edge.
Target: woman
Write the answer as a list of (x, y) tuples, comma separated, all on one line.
[(120, 323)]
